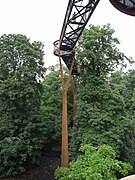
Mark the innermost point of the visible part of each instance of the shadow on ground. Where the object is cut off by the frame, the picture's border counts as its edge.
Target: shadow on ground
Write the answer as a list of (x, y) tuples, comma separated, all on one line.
[(49, 162)]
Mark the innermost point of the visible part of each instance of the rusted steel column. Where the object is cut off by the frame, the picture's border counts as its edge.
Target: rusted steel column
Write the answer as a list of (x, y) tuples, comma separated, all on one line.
[(64, 148), (64, 145)]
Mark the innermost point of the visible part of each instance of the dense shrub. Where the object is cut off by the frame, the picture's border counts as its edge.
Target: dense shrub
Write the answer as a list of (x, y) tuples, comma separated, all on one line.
[(14, 153), (94, 164)]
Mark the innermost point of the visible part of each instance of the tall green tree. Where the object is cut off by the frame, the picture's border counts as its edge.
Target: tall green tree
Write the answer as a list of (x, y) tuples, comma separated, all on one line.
[(101, 114), (125, 82), (98, 53), (21, 69)]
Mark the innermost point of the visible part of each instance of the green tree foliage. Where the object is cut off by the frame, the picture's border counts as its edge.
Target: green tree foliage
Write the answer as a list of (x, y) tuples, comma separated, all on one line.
[(51, 107), (52, 104), (95, 163), (98, 53), (21, 68), (125, 83), (101, 114)]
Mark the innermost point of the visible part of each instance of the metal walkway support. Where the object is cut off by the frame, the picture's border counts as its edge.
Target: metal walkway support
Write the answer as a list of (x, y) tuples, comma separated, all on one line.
[(76, 17), (125, 6)]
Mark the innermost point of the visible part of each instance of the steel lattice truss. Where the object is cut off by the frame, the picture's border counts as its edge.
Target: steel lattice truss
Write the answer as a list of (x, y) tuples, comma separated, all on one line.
[(128, 3), (125, 6), (77, 15)]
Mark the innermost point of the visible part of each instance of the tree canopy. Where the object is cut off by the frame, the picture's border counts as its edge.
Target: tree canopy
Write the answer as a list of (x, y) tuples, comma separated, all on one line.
[(31, 101), (101, 114), (21, 68)]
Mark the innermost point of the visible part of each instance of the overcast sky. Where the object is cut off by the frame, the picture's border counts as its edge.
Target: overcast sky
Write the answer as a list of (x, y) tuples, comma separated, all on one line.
[(41, 20)]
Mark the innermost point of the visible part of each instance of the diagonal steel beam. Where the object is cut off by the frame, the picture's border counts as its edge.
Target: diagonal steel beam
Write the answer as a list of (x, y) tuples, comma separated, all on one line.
[(77, 15)]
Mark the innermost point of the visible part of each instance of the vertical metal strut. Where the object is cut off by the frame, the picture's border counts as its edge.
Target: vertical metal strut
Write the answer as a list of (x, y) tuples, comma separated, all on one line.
[(77, 15)]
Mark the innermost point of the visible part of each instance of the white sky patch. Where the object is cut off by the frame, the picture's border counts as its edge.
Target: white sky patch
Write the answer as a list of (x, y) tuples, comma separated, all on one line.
[(42, 20)]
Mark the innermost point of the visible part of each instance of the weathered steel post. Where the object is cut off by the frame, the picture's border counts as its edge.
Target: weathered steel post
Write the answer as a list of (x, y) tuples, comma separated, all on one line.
[(77, 15), (64, 145), (65, 85)]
